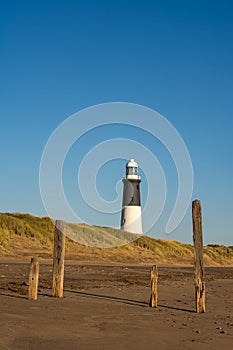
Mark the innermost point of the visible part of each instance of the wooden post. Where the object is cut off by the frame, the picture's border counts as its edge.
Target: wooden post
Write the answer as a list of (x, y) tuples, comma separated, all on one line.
[(58, 259), (33, 279), (154, 282), (198, 257)]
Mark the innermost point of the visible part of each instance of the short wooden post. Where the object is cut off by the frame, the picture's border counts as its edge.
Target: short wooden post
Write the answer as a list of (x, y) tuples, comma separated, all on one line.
[(33, 279), (198, 257), (154, 282), (58, 259)]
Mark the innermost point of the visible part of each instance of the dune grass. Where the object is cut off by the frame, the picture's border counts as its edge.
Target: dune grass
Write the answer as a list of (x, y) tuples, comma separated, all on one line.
[(40, 228), (97, 236), (121, 245)]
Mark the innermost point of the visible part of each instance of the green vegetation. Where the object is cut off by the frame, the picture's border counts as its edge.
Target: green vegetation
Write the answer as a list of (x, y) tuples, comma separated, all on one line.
[(25, 234), (97, 236), (219, 253), (164, 248), (40, 228)]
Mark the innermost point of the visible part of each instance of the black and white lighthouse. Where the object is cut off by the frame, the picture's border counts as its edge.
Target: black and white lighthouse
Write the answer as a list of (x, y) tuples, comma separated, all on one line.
[(131, 215)]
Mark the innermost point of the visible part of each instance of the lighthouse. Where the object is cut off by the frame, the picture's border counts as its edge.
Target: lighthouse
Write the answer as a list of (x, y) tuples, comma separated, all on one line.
[(131, 215)]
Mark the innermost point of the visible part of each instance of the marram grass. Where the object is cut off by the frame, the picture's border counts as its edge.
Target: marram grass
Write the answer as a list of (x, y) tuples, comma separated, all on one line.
[(34, 235)]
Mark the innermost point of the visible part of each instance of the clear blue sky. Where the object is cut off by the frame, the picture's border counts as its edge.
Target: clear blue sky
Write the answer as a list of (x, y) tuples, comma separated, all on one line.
[(58, 57)]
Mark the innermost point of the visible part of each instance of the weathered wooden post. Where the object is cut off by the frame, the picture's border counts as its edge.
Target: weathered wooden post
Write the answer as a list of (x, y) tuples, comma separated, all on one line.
[(198, 257), (33, 279), (58, 259), (154, 282)]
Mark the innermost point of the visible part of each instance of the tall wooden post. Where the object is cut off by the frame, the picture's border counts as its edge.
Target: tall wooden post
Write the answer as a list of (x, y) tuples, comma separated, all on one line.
[(154, 291), (33, 279), (58, 259), (198, 257)]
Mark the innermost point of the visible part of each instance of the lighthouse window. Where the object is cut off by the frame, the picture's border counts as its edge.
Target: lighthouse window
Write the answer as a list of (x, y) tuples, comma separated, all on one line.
[(132, 171)]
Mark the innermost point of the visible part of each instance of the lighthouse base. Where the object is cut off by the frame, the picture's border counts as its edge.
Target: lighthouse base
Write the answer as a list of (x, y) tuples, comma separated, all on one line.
[(131, 219)]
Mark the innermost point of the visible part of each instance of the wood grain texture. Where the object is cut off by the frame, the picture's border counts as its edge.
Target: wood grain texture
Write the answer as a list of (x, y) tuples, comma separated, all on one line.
[(198, 257), (154, 289), (33, 279), (58, 259)]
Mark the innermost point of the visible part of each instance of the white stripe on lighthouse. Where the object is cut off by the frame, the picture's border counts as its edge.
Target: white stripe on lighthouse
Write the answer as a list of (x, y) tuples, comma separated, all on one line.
[(132, 219)]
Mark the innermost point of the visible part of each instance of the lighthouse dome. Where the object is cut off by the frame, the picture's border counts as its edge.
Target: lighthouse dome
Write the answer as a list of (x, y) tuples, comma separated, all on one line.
[(132, 164)]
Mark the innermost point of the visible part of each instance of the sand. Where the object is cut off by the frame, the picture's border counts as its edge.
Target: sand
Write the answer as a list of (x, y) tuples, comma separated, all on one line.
[(106, 307)]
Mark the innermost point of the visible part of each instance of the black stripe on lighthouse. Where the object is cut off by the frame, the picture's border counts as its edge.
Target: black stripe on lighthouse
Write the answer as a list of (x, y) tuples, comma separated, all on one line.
[(131, 195)]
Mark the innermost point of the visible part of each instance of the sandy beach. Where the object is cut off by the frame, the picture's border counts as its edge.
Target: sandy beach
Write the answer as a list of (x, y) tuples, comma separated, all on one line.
[(105, 306)]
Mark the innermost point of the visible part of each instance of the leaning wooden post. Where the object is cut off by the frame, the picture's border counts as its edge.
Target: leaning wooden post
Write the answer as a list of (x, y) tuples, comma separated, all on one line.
[(58, 259), (154, 282), (198, 257), (33, 279)]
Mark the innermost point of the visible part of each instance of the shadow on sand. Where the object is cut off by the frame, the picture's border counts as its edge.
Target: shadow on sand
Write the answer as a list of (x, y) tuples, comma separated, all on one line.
[(123, 300), (102, 297), (18, 296)]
